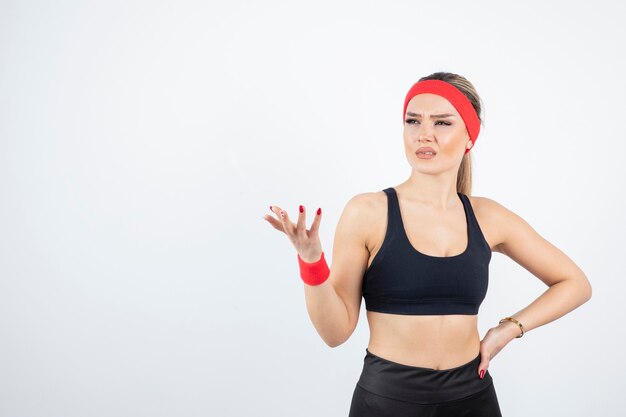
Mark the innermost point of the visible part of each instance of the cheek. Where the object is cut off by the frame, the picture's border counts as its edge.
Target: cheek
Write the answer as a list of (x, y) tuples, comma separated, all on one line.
[(454, 139), (406, 140)]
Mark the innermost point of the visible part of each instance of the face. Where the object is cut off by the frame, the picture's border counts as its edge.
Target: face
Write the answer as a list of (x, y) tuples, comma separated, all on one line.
[(447, 135)]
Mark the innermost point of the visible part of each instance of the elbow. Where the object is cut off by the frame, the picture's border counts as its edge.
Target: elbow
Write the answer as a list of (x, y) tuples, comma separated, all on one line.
[(589, 292), (340, 338), (585, 289), (579, 288), (335, 343)]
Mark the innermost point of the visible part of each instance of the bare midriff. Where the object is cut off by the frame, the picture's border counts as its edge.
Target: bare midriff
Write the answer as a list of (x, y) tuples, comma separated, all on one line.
[(427, 341)]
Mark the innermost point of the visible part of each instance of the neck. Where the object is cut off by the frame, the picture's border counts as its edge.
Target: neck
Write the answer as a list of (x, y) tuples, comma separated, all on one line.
[(436, 191)]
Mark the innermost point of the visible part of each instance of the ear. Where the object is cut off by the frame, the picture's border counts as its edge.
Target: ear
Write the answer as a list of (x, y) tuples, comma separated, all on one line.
[(471, 144)]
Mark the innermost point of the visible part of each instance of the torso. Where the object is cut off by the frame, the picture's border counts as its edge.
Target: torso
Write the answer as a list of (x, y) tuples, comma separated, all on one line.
[(439, 341)]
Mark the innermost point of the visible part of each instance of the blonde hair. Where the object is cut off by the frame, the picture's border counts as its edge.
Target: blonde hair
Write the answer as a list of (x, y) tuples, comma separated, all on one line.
[(464, 176)]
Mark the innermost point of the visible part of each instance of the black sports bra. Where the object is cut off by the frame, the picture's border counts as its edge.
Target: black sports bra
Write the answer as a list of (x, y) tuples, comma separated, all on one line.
[(402, 280)]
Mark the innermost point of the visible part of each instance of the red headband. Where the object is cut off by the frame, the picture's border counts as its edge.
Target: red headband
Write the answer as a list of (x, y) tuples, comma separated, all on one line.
[(460, 102)]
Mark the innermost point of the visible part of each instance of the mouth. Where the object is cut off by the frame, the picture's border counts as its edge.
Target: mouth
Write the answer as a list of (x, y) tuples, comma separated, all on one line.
[(425, 151)]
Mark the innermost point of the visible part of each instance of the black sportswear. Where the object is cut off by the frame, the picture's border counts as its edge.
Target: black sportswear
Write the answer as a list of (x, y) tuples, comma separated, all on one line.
[(402, 280)]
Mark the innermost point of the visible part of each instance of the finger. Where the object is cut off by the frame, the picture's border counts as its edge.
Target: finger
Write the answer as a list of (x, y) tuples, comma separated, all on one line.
[(275, 223), (278, 221), (283, 217), (316, 221), (482, 367), (301, 225)]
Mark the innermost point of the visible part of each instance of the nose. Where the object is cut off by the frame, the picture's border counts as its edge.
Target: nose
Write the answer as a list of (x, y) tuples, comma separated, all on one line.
[(425, 133), (424, 136)]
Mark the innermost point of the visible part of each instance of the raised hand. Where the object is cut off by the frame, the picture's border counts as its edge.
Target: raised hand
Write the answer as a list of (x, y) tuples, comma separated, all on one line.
[(306, 242)]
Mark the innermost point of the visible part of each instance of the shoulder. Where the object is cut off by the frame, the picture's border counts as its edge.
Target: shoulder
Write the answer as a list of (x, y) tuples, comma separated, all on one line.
[(364, 210), (487, 206), (366, 205), (496, 218), (518, 240)]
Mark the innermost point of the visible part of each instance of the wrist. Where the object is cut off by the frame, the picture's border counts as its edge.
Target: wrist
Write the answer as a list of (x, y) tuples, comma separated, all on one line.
[(311, 260), (314, 273), (511, 329)]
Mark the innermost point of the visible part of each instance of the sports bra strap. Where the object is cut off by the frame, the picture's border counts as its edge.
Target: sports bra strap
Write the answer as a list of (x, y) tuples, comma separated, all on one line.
[(394, 219)]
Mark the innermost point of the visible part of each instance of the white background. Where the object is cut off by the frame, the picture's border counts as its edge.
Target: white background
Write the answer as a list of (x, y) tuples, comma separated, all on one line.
[(141, 143)]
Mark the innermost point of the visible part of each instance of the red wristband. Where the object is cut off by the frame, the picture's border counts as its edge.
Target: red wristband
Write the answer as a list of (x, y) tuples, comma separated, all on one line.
[(314, 273)]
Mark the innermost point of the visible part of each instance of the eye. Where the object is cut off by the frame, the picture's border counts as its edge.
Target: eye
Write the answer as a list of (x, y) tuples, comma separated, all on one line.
[(410, 122)]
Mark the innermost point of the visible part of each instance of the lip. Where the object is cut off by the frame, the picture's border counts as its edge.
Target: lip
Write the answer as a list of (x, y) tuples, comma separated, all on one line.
[(426, 149)]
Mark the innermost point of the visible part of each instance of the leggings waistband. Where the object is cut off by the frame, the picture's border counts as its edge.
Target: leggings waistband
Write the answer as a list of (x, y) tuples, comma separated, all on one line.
[(421, 385)]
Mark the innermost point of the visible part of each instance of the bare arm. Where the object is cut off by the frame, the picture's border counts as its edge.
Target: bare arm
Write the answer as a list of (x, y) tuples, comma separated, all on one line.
[(334, 305), (568, 286)]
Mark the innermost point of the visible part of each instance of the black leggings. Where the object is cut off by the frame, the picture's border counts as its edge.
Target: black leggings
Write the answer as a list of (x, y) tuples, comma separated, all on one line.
[(387, 388)]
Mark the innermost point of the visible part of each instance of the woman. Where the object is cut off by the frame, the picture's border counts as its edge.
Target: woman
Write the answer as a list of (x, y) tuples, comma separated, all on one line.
[(419, 254)]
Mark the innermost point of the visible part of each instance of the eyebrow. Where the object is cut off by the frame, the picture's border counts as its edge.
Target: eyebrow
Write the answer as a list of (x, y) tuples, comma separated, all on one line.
[(434, 116)]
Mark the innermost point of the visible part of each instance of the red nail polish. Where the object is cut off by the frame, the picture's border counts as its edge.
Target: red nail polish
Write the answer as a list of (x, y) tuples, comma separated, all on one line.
[(319, 210), (271, 208), (482, 373), (301, 208)]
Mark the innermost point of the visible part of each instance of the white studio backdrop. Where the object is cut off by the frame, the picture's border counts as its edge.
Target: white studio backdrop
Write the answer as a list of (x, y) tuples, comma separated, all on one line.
[(141, 143)]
